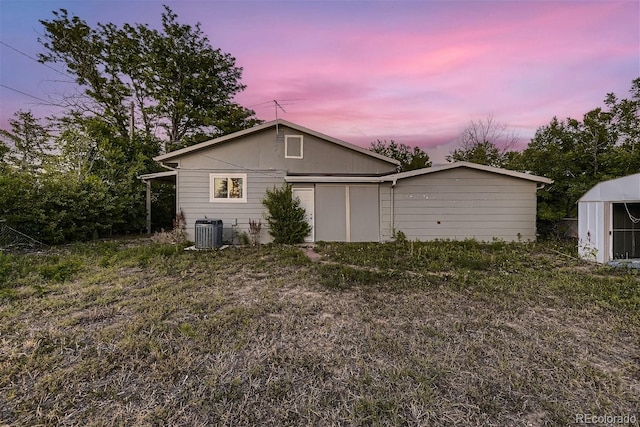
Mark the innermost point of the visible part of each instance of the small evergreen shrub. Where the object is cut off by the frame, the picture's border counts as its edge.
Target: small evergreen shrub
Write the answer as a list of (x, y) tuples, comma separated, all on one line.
[(287, 219)]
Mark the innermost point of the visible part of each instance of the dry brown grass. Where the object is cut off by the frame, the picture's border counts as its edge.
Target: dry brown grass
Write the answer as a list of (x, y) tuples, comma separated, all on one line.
[(145, 335)]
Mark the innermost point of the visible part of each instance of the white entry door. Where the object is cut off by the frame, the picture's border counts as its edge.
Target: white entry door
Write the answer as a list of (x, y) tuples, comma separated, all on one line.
[(306, 202)]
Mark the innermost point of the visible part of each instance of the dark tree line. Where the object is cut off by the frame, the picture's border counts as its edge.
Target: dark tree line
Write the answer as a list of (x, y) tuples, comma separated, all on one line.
[(410, 158), (142, 92)]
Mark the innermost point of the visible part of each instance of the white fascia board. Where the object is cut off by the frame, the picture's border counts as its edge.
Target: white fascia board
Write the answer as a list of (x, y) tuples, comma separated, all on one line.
[(157, 175), (334, 179)]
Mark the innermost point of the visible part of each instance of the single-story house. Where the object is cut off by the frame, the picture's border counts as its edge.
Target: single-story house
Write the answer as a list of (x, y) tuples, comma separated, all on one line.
[(609, 220), (351, 194)]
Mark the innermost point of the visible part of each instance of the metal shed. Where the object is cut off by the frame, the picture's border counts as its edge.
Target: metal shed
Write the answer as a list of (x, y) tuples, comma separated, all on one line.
[(609, 220)]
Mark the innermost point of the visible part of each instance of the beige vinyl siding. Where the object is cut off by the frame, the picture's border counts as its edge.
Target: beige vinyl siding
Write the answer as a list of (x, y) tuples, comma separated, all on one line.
[(459, 204), (263, 151), (386, 225), (193, 199)]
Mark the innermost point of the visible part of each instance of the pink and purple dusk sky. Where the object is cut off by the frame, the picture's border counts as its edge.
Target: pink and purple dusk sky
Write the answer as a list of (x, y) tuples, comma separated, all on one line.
[(414, 71)]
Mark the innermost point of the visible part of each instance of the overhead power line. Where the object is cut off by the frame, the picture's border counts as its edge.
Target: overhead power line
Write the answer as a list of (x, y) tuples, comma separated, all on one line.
[(34, 59), (31, 96)]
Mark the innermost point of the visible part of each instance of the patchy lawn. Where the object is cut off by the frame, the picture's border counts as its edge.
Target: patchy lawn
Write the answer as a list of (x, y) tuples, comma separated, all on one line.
[(406, 333)]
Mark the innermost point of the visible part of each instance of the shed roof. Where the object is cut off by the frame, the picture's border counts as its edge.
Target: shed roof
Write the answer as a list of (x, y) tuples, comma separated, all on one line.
[(418, 172), (177, 153), (470, 165), (622, 189)]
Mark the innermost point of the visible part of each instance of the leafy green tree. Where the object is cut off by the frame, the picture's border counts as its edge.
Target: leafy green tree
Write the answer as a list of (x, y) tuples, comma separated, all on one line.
[(551, 154), (30, 141), (486, 142), (174, 77), (483, 153), (77, 152), (577, 154), (4, 150), (117, 162), (287, 219), (625, 118), (409, 158)]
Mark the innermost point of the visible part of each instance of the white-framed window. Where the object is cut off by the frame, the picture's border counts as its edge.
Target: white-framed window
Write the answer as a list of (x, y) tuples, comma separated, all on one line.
[(228, 187), (293, 146)]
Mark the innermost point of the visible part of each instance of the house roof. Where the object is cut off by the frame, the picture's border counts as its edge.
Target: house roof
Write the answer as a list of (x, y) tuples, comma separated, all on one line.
[(418, 172), (622, 189), (272, 124)]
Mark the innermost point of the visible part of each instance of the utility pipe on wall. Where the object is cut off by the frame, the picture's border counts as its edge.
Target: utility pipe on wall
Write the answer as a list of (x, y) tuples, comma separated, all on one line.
[(148, 183), (393, 212)]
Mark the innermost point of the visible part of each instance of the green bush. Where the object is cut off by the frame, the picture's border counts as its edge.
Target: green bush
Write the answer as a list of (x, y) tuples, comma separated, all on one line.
[(287, 219), (60, 270), (56, 207), (10, 268)]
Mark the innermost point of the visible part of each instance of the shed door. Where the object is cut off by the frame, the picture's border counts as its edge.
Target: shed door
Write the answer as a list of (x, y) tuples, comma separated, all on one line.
[(626, 230), (347, 213), (364, 213), (331, 225)]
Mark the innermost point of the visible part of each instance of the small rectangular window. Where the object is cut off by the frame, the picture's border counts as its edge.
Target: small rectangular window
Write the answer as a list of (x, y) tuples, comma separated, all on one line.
[(228, 187), (293, 146)]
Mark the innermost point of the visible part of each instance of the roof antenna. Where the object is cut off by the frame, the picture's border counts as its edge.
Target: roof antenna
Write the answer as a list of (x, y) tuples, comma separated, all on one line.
[(276, 105)]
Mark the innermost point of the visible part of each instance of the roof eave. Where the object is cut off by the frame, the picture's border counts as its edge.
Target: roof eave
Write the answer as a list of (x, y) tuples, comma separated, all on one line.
[(470, 165), (334, 179)]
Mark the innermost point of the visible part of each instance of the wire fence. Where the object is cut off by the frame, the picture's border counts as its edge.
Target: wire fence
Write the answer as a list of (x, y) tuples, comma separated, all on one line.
[(13, 240)]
